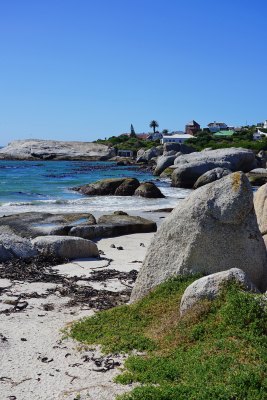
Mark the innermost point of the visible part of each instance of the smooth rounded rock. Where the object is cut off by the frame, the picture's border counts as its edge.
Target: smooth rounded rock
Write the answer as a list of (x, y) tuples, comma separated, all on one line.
[(214, 229), (209, 287), (66, 246)]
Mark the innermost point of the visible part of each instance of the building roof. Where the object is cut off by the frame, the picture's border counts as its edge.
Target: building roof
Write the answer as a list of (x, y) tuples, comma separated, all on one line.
[(192, 123), (179, 136), (224, 133)]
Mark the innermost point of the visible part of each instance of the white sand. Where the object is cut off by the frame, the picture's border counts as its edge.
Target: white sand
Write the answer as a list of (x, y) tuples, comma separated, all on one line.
[(64, 375)]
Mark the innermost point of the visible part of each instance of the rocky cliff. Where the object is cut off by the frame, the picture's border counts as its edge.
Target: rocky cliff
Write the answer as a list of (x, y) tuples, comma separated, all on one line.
[(34, 149)]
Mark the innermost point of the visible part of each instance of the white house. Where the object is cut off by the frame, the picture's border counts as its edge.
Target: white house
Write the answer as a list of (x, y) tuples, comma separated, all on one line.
[(265, 124), (259, 134), (177, 138)]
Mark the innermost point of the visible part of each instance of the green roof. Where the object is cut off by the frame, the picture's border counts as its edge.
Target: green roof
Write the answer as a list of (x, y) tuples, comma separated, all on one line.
[(224, 133)]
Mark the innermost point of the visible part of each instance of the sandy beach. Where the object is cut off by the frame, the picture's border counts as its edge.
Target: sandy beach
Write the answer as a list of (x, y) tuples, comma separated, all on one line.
[(37, 360)]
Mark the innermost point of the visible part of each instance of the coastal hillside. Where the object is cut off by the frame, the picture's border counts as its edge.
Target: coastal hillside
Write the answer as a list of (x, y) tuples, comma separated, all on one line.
[(34, 149)]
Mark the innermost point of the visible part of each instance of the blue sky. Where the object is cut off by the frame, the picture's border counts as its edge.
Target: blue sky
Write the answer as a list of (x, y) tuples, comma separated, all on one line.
[(85, 69)]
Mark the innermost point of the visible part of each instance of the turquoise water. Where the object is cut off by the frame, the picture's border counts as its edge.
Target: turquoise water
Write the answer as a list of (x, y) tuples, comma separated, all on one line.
[(45, 186)]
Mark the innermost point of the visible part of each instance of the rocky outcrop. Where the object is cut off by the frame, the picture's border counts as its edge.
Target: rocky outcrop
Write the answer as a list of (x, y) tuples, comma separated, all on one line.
[(148, 190), (211, 176), (191, 166), (209, 287), (177, 147), (213, 230), (13, 246), (147, 155), (260, 204), (120, 187), (114, 225), (32, 224), (257, 176), (65, 247), (35, 149), (186, 175)]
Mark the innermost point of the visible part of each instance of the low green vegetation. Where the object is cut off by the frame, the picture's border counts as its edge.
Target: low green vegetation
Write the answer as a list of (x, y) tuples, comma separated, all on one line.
[(244, 139), (218, 350), (125, 142)]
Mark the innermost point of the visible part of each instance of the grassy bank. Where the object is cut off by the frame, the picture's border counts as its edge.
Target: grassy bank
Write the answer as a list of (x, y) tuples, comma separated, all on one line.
[(217, 351)]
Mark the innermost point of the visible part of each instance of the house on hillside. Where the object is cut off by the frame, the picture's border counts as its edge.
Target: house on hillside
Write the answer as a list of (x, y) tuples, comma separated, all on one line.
[(176, 138), (217, 126), (265, 124), (192, 127)]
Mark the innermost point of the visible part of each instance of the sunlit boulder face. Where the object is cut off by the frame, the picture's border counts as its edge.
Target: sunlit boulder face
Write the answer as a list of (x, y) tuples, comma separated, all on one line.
[(213, 230)]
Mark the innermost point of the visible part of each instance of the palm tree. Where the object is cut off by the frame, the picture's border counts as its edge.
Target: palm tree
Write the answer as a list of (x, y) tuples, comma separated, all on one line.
[(153, 124)]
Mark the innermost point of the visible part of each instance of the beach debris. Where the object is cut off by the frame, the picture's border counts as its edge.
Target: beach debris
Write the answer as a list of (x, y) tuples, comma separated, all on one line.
[(142, 245), (3, 338), (40, 269), (120, 248), (45, 359), (113, 246)]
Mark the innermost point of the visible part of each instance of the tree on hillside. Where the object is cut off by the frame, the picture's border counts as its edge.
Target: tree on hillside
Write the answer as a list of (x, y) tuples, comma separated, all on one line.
[(165, 131), (132, 134), (153, 124)]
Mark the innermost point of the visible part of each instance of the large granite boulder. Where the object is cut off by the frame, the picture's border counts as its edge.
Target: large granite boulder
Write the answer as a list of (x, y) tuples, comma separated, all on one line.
[(212, 230), (105, 187), (211, 176), (127, 188), (191, 166), (148, 190), (260, 204), (186, 175), (65, 247), (13, 246), (114, 225), (164, 162), (209, 287)]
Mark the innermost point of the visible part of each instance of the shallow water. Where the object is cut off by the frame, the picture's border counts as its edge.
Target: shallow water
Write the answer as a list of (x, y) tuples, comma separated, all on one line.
[(45, 186)]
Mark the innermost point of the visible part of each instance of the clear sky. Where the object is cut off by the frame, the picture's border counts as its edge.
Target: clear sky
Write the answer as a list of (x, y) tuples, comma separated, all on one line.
[(85, 69)]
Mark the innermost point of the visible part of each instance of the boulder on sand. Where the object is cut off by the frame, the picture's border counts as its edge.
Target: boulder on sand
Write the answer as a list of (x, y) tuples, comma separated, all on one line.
[(211, 176), (65, 246), (114, 225), (13, 246), (209, 287), (191, 166), (213, 230)]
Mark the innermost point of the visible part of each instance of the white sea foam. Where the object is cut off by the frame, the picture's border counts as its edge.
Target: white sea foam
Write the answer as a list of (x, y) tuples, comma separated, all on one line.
[(96, 203)]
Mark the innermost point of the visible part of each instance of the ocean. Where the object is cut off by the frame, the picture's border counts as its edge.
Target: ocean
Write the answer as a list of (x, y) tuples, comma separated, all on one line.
[(27, 186)]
